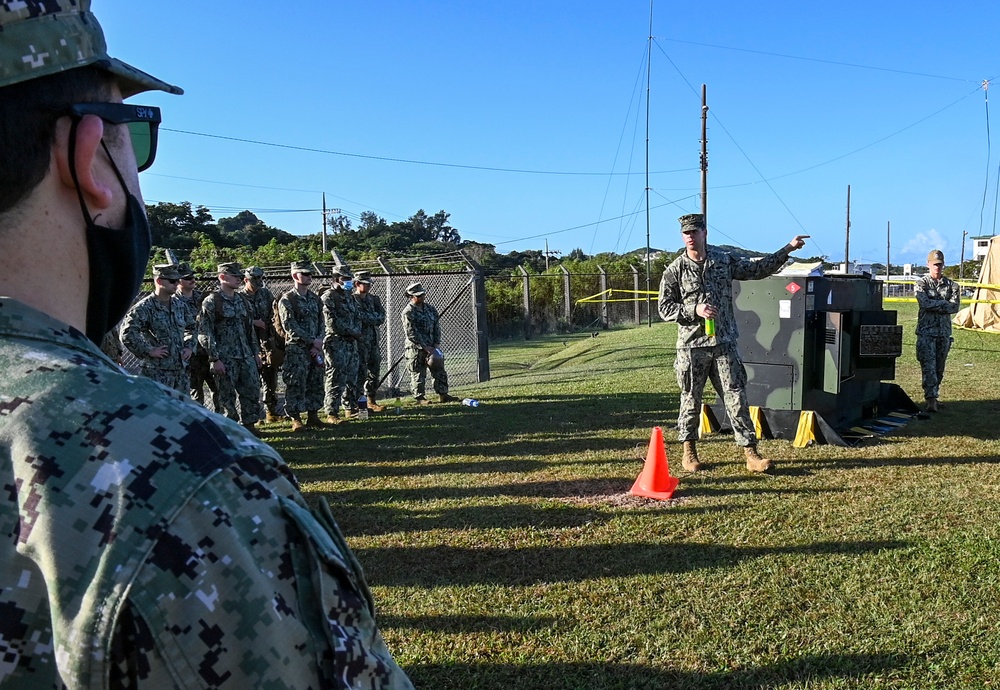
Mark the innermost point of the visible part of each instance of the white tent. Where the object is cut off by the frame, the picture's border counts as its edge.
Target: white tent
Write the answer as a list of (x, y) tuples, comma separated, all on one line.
[(981, 315)]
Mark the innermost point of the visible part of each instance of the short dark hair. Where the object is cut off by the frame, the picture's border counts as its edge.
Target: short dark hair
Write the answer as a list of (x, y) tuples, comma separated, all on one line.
[(28, 114)]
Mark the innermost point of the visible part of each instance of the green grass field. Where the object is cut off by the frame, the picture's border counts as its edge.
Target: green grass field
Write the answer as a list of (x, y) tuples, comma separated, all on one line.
[(504, 550)]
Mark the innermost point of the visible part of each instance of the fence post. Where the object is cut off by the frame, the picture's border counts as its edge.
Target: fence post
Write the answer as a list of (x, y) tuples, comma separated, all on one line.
[(567, 300), (526, 291), (480, 322), (604, 297), (635, 288)]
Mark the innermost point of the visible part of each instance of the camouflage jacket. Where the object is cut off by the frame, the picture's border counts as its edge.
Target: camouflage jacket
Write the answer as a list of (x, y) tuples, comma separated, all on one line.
[(421, 325), (151, 323), (227, 333), (300, 317), (938, 300), (150, 543), (193, 304), (372, 315), (261, 303), (340, 314), (686, 283)]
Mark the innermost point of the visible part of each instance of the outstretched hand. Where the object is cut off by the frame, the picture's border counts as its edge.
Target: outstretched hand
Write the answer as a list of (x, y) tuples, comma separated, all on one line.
[(799, 242)]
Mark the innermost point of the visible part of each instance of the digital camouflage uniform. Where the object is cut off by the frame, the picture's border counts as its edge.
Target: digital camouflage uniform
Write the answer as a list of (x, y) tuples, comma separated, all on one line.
[(938, 301), (150, 543), (262, 307), (303, 377), (422, 328), (198, 366), (229, 337), (151, 323), (685, 284), (343, 329), (372, 315)]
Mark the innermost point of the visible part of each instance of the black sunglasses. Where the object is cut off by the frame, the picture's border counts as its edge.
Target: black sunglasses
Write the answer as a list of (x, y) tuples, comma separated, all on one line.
[(142, 120), (172, 281)]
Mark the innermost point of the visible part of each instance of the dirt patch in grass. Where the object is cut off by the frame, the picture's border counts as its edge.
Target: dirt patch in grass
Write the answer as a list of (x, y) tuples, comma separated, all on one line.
[(609, 493)]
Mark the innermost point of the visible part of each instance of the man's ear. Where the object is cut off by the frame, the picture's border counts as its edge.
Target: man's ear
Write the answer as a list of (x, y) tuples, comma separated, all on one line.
[(97, 193)]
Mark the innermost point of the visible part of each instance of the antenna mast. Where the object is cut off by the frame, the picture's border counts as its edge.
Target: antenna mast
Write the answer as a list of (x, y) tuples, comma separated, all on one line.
[(649, 60), (704, 153)]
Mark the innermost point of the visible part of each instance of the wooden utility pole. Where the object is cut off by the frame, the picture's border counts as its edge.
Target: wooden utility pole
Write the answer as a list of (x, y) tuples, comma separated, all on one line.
[(847, 243), (324, 223), (704, 153), (961, 264), (887, 231)]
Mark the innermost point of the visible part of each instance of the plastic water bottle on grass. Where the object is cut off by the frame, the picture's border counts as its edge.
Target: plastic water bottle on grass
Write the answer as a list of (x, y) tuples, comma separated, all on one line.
[(470, 402)]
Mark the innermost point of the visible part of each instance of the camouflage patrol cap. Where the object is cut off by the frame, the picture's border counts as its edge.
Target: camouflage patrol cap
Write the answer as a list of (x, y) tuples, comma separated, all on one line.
[(302, 267), (253, 272), (692, 222), (415, 290), (363, 277), (935, 256), (44, 38), (231, 268), (168, 271), (184, 268), (342, 271)]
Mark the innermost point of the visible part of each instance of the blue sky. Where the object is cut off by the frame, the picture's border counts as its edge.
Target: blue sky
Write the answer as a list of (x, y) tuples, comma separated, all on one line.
[(526, 121)]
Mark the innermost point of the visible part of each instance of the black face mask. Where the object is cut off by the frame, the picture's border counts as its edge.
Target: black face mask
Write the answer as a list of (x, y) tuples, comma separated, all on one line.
[(117, 257)]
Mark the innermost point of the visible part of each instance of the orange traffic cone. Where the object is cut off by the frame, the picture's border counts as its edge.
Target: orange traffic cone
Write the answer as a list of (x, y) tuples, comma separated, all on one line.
[(655, 481)]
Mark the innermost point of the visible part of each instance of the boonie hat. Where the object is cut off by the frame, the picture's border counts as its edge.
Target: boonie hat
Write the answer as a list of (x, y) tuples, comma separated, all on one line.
[(44, 38), (415, 290), (231, 268), (692, 222), (363, 277), (935, 256), (168, 271), (302, 267)]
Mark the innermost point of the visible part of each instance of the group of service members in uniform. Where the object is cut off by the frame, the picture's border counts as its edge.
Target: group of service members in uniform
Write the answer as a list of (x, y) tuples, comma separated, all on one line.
[(236, 339)]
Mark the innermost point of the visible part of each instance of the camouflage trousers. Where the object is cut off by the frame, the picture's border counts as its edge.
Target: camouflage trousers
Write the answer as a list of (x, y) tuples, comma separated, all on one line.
[(341, 376), (303, 381), (932, 352), (416, 361), (201, 374), (242, 380), (722, 364), (171, 378), (269, 384), (369, 368)]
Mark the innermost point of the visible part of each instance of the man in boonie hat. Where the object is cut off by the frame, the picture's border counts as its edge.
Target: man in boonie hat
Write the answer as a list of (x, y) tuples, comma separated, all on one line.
[(300, 315), (421, 324), (372, 315), (938, 299), (261, 303), (156, 488), (155, 331)]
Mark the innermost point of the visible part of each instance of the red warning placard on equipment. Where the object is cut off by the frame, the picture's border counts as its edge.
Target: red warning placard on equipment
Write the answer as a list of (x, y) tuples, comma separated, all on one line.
[(793, 287)]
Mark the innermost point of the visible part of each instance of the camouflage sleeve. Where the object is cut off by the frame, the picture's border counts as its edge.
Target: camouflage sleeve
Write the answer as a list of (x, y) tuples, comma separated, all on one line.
[(296, 331), (409, 327), (249, 588), (206, 327), (377, 314), (671, 302), (437, 327), (133, 333), (954, 297), (933, 304), (743, 268)]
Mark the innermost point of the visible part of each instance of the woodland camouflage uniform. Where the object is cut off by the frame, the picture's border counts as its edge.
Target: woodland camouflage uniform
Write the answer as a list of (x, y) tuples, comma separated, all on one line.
[(372, 315), (685, 284), (343, 329), (152, 323), (227, 334), (422, 327), (261, 303), (938, 301), (303, 377)]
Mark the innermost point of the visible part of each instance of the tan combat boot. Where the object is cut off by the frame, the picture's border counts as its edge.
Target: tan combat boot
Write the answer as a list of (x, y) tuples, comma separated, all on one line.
[(932, 405), (755, 462), (690, 459), (297, 424), (374, 406), (333, 419), (272, 417)]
